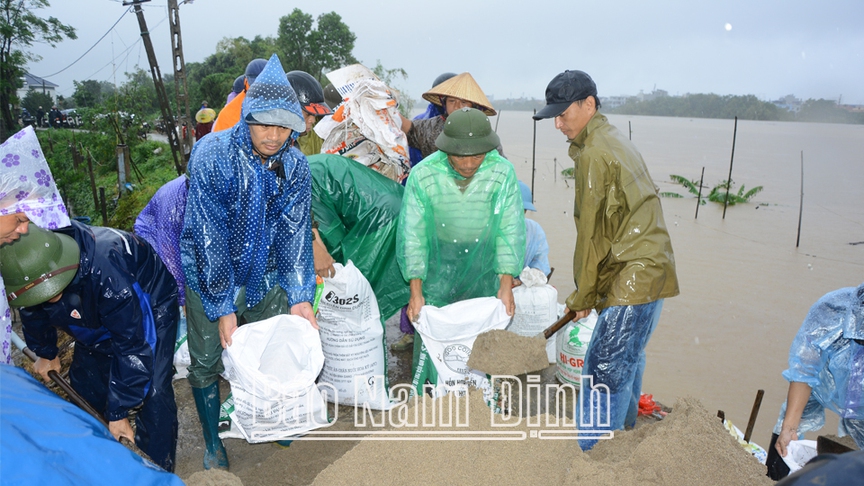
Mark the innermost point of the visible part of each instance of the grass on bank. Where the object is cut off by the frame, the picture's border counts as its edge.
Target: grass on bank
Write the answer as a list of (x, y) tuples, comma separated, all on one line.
[(152, 160)]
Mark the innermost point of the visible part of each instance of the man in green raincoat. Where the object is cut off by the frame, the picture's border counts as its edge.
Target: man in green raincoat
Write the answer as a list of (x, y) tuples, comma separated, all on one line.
[(462, 227), (356, 210)]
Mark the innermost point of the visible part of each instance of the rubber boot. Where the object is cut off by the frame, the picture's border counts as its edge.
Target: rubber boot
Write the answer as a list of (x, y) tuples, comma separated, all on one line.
[(777, 468), (207, 403)]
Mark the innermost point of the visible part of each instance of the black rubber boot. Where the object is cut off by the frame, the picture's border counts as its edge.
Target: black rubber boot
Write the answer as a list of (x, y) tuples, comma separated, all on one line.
[(777, 468), (207, 403)]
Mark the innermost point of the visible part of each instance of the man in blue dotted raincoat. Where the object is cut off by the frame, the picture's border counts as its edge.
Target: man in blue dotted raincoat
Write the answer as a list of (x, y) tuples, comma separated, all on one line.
[(246, 242)]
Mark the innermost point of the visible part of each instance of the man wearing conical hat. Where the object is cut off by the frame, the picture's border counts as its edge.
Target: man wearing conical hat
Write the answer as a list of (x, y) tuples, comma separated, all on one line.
[(457, 92), (204, 120), (246, 241)]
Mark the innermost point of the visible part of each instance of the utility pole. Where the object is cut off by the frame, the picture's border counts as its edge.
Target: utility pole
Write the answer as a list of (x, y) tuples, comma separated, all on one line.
[(181, 90), (167, 117)]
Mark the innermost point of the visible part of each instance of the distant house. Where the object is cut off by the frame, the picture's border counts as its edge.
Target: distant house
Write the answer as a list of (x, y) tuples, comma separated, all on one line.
[(613, 101), (788, 103), (657, 93), (852, 108), (41, 85)]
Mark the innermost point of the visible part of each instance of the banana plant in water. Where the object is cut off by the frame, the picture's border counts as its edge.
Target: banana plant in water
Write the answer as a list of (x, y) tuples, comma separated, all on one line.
[(717, 194)]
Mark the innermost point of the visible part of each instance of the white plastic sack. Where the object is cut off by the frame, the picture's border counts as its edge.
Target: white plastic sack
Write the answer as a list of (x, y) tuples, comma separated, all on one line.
[(572, 344), (798, 453), (448, 335), (373, 109), (352, 339), (345, 78), (272, 366), (367, 126), (182, 360), (536, 307)]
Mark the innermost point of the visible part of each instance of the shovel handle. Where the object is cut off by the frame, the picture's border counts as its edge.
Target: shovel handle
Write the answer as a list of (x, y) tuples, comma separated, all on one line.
[(59, 381), (75, 397), (559, 324)]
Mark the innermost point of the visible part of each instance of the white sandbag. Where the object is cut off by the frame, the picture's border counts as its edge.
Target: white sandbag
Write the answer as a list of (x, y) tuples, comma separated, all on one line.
[(352, 339), (536, 307), (448, 335), (272, 366), (798, 453), (367, 126), (572, 344)]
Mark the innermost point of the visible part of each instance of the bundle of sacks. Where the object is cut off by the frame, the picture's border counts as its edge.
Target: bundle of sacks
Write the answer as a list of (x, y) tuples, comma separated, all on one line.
[(366, 127)]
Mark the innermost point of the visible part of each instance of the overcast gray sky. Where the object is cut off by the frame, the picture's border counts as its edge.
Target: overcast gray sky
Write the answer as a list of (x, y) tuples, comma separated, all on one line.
[(767, 48)]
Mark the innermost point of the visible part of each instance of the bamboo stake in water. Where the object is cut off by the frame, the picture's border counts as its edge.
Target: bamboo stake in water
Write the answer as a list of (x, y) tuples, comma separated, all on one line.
[(732, 159), (699, 197), (801, 203), (533, 157)]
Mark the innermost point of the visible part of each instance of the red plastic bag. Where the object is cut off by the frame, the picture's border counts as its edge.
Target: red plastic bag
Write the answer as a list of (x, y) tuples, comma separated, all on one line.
[(647, 405)]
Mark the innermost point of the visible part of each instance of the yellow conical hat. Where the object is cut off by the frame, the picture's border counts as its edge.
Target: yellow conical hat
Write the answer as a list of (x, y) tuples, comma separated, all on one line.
[(463, 87)]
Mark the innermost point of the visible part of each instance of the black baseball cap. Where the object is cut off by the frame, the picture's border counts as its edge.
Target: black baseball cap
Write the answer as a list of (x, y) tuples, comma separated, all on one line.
[(563, 90)]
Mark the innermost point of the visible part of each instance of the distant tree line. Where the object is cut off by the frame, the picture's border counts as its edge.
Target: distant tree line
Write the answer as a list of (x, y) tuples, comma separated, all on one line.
[(520, 104), (744, 107), (303, 43)]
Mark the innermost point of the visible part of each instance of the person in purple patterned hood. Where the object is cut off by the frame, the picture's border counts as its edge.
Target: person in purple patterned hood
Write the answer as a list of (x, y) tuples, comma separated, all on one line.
[(246, 245), (27, 194)]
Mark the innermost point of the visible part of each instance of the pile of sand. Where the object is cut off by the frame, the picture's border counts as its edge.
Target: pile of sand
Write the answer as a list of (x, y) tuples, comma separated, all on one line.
[(500, 352), (689, 446)]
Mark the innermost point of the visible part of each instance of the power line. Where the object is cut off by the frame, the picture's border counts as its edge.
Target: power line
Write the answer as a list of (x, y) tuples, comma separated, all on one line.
[(91, 47), (126, 51)]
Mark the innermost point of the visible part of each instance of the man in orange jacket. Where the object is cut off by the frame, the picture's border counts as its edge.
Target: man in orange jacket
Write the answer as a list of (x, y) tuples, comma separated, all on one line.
[(230, 115)]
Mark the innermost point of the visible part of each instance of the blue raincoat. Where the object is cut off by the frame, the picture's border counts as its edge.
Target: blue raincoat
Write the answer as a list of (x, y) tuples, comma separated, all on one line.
[(827, 354), (122, 310), (247, 222), (537, 251)]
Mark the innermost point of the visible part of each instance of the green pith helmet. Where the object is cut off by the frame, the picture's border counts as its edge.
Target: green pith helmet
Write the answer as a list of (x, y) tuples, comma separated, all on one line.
[(467, 131), (38, 266)]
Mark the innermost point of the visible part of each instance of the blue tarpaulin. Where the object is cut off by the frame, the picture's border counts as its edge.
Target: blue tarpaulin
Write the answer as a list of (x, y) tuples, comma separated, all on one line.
[(47, 440)]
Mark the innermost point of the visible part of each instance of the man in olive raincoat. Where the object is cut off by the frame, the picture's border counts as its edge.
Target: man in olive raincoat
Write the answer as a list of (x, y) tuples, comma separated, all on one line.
[(623, 265), (246, 241)]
